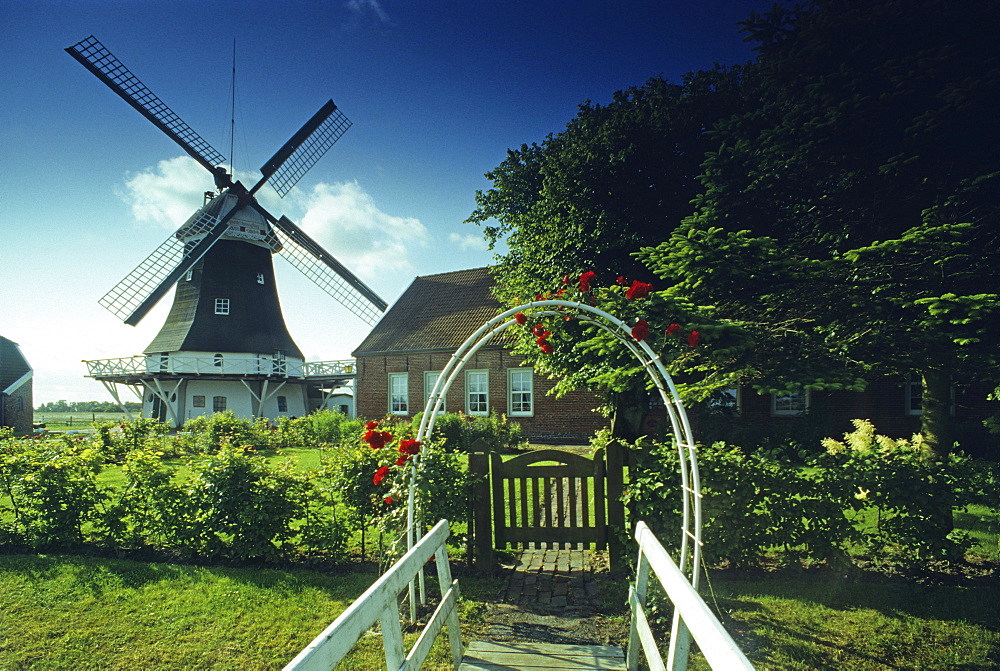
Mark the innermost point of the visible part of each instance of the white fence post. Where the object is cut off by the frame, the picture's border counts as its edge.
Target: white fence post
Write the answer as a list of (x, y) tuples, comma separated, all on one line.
[(692, 616), (380, 602)]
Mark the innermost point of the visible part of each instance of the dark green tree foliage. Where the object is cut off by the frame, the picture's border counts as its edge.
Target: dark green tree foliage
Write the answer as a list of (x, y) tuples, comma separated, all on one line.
[(618, 177), (849, 221)]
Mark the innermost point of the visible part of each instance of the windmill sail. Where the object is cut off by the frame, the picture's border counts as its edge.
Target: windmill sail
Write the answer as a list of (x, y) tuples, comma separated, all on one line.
[(327, 272), (103, 64)]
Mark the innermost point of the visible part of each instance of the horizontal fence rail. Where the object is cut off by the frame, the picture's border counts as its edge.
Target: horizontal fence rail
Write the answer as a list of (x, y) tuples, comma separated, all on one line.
[(211, 364), (380, 602), (692, 617)]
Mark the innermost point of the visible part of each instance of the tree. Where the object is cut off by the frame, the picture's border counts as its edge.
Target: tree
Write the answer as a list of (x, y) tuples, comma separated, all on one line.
[(850, 220), (618, 177)]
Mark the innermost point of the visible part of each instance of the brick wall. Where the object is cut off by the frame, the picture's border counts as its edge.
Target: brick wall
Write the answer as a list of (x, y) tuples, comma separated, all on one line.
[(570, 419), (16, 410)]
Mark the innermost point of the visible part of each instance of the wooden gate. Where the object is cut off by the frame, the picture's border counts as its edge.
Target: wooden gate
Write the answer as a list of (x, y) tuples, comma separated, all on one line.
[(547, 499)]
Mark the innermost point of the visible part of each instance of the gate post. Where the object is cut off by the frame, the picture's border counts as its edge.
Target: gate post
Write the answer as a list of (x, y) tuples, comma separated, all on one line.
[(482, 523), (615, 456)]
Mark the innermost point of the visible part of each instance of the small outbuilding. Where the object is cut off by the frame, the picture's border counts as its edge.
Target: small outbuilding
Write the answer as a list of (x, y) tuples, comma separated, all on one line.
[(16, 409)]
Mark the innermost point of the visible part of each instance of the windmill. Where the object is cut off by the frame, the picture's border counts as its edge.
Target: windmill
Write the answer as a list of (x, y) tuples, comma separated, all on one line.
[(224, 337)]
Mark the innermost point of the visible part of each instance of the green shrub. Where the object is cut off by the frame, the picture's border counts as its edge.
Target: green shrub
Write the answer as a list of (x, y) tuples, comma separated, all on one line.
[(207, 433), (52, 488), (331, 427), (457, 432)]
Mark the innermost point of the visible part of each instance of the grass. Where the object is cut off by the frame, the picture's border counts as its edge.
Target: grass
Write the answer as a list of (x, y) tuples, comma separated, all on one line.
[(818, 621), (60, 421), (71, 612)]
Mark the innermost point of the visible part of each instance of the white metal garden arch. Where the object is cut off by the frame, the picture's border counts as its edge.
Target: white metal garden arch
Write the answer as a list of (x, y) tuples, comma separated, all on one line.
[(690, 551)]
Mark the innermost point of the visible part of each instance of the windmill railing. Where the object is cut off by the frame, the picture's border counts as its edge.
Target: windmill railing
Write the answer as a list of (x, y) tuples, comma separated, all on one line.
[(217, 364)]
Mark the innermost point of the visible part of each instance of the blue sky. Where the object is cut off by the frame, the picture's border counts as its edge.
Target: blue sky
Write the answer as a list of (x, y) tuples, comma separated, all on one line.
[(437, 91)]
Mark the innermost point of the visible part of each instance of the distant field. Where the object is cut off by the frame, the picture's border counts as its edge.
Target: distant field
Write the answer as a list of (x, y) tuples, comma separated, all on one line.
[(77, 420)]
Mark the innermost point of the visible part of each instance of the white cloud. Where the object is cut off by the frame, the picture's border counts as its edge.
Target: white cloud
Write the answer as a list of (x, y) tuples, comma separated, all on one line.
[(169, 193), (345, 220), (364, 7), (468, 242)]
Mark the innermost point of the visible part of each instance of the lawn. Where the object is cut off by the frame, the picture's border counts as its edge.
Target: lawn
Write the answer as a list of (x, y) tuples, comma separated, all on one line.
[(71, 612)]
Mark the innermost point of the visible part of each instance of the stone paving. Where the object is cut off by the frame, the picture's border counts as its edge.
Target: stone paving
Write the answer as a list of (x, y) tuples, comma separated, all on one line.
[(554, 580), (554, 596)]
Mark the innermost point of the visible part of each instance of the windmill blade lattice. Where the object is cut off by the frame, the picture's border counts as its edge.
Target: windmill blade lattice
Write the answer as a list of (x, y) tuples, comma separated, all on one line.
[(329, 275), (305, 155), (105, 66), (125, 297)]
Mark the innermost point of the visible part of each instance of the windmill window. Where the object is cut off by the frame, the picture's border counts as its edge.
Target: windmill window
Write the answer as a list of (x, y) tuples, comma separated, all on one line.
[(282, 404), (219, 403), (198, 401), (243, 229), (222, 306), (260, 278), (189, 275), (217, 360)]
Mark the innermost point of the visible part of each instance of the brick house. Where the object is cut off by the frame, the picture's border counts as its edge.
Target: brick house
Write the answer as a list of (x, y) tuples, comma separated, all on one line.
[(16, 410), (399, 361)]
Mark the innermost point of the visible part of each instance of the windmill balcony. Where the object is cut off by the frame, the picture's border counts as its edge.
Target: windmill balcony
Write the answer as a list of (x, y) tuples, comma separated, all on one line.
[(213, 364)]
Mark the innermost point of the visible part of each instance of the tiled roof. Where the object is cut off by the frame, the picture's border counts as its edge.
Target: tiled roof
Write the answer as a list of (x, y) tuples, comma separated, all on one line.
[(435, 312)]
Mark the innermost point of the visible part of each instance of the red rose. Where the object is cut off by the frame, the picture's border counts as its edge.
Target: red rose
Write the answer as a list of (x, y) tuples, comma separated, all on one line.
[(621, 279), (389, 500), (371, 426), (521, 318), (638, 290), (693, 338), (586, 279), (546, 347), (403, 458), (537, 330), (409, 446), (673, 329), (380, 475), (641, 330), (565, 279)]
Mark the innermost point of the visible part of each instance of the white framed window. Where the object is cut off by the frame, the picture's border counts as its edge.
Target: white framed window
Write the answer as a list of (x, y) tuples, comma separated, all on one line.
[(791, 403), (222, 306), (218, 403), (260, 278), (477, 392), (282, 404), (430, 379), (520, 392), (727, 400), (399, 394)]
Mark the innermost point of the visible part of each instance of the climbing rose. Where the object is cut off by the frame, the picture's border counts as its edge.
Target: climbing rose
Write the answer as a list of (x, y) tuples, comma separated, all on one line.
[(537, 330), (641, 330), (371, 426), (377, 439), (621, 279), (546, 347), (380, 475), (409, 446), (521, 318), (693, 338), (389, 500), (585, 280), (673, 329), (638, 290), (403, 458)]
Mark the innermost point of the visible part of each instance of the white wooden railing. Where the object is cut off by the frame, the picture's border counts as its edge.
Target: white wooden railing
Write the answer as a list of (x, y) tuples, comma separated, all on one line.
[(212, 364), (380, 602), (692, 616)]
